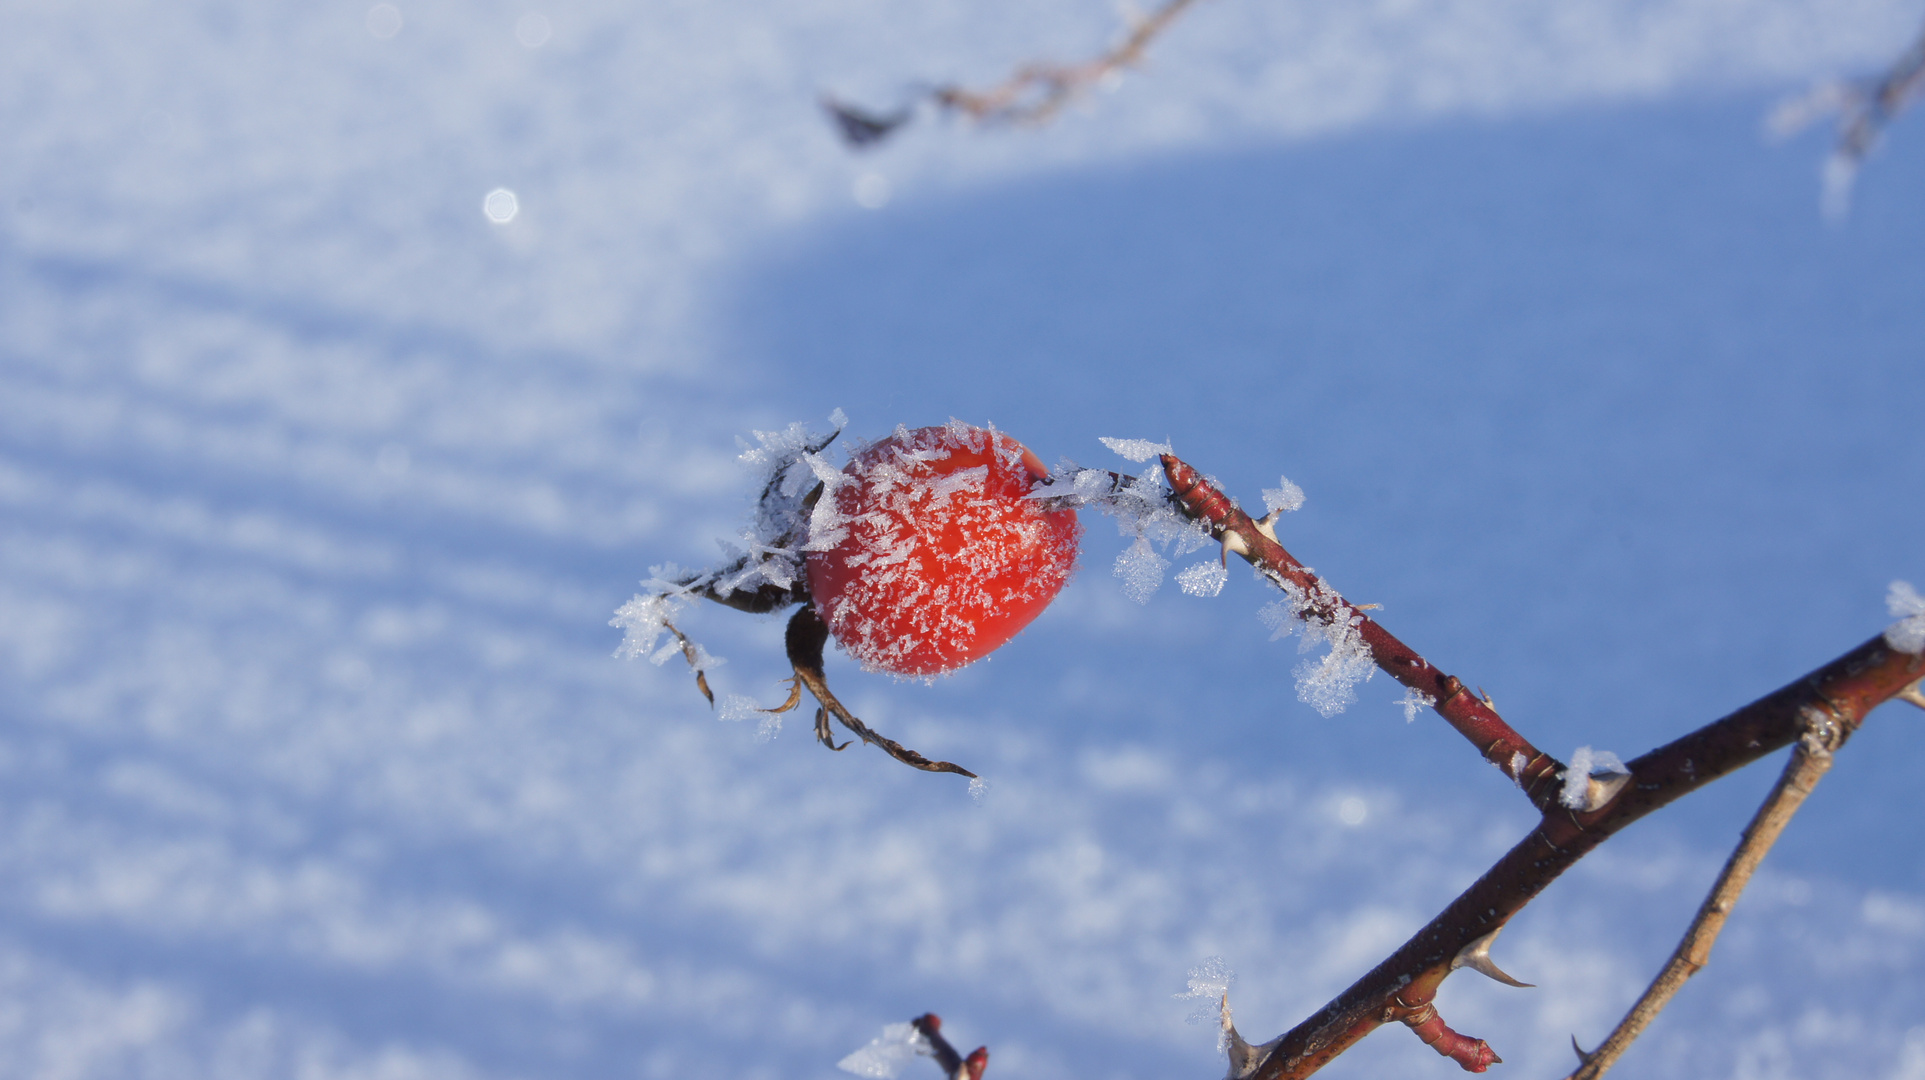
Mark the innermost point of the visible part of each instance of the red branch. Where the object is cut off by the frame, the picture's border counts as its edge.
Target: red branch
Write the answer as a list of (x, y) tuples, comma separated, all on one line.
[(1473, 717), (1828, 704)]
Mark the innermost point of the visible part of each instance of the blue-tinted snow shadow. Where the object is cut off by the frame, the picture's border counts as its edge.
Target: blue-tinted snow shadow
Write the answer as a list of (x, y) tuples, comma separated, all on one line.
[(1598, 407)]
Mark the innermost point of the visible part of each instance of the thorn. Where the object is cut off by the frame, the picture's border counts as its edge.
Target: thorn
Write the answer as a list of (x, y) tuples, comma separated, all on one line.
[(1489, 702), (1368, 607), (1477, 957), (1233, 543), (1602, 788), (1914, 693), (1583, 1058), (1267, 525)]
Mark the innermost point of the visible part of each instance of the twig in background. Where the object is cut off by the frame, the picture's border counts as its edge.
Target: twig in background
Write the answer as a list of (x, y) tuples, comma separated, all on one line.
[(1034, 93), (1864, 109)]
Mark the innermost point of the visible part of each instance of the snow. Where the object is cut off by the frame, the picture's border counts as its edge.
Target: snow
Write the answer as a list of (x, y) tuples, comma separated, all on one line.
[(1586, 763), (1326, 683), (1139, 450), (1208, 982), (1908, 633), (1141, 569), (1286, 496), (1205, 578), (887, 1054), (1415, 701)]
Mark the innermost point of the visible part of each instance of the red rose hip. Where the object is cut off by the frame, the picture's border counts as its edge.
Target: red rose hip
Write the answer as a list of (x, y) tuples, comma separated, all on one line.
[(932, 554)]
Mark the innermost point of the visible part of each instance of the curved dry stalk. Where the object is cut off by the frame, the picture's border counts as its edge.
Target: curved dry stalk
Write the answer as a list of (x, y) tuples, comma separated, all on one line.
[(690, 654), (1032, 94), (805, 638), (1810, 760)]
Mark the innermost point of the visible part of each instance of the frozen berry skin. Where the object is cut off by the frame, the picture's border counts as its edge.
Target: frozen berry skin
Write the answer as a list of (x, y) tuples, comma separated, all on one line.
[(934, 555)]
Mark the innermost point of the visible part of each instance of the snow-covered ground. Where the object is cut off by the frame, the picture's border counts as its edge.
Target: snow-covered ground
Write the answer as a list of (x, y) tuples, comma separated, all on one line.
[(318, 487)]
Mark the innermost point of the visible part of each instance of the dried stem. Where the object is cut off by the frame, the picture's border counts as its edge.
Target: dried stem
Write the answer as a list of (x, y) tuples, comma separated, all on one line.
[(1810, 760), (1865, 109), (1827, 704), (1032, 94), (805, 638)]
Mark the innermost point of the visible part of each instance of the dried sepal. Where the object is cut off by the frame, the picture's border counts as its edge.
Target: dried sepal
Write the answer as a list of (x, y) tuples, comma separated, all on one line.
[(804, 639)]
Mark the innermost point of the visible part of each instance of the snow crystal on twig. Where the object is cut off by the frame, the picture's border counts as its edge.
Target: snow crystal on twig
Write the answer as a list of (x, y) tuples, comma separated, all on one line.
[(1326, 683), (1413, 700), (1585, 763), (1908, 633), (1136, 449), (888, 1053), (1204, 579), (1286, 498), (1141, 569), (1143, 512), (1209, 981)]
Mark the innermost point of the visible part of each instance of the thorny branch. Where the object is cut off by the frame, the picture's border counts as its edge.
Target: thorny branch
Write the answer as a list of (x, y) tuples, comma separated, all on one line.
[(1864, 109), (1826, 705), (1810, 760), (1032, 94)]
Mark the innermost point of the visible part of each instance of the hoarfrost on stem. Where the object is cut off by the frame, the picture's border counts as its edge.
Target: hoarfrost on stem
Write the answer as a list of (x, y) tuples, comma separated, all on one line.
[(1143, 512), (1326, 683), (1413, 700), (1204, 579), (1288, 497), (888, 1053), (1585, 763), (1209, 981), (1138, 450), (1908, 633)]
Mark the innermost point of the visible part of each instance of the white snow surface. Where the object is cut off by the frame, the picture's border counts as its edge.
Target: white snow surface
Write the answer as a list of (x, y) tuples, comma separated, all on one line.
[(317, 486)]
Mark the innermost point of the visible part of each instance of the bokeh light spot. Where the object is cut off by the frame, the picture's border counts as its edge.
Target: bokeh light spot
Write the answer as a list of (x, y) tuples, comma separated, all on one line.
[(384, 20), (501, 206), (533, 30)]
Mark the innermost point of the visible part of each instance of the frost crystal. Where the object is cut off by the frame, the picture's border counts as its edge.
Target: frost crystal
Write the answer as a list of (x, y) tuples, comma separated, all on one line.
[(1138, 450), (737, 707), (1328, 683), (1204, 579), (1908, 633), (1209, 982), (888, 1053), (1414, 700), (789, 464), (1517, 769), (1585, 763), (1142, 510), (1288, 497), (1141, 569)]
